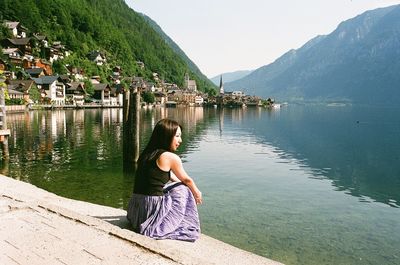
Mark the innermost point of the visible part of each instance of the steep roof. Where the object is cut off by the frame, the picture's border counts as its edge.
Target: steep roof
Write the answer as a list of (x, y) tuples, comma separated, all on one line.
[(14, 92), (64, 78), (75, 85), (34, 71), (19, 41), (101, 86), (76, 88), (18, 84), (94, 54), (45, 80), (11, 50), (39, 37), (11, 24)]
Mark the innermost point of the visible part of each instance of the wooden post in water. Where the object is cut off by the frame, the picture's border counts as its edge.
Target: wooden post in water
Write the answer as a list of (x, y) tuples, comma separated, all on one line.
[(131, 118), (136, 120), (4, 132)]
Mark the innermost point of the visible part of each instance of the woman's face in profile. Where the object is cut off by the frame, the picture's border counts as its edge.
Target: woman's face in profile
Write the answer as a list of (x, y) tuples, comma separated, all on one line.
[(176, 141)]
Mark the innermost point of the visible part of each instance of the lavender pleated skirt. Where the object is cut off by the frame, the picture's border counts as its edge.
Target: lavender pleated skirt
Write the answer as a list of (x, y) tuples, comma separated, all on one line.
[(171, 216)]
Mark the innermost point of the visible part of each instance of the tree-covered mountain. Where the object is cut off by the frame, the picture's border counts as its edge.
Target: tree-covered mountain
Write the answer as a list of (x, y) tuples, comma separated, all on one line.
[(106, 25), (199, 76), (230, 76), (358, 62)]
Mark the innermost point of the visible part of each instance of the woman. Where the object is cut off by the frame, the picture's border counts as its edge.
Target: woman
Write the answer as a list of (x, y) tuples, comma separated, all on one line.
[(155, 210)]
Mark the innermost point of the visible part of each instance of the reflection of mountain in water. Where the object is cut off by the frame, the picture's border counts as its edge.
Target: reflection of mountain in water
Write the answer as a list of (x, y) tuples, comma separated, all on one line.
[(357, 147), (78, 153)]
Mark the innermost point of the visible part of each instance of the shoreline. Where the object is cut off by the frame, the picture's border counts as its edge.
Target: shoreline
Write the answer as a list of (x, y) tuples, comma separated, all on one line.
[(43, 216), (25, 108)]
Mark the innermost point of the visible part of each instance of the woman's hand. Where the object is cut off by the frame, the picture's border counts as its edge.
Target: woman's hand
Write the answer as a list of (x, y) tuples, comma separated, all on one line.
[(198, 198)]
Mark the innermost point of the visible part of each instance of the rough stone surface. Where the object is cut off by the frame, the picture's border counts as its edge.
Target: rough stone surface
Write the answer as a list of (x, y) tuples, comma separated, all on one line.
[(39, 227)]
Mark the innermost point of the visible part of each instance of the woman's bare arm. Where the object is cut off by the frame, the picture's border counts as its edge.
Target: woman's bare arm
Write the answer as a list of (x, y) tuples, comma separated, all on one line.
[(170, 161), (173, 177)]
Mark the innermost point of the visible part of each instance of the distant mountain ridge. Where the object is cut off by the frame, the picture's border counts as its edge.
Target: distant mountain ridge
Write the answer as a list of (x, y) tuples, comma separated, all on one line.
[(358, 62), (230, 76)]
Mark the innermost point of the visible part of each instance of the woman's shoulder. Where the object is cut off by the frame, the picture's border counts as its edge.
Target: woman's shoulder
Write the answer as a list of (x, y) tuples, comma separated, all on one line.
[(169, 155), (167, 160)]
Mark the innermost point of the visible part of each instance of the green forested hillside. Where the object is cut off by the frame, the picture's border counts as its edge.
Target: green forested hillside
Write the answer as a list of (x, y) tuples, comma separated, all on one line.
[(106, 25), (200, 78)]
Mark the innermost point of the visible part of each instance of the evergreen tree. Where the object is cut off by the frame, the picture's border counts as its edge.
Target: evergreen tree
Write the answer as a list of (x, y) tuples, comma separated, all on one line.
[(148, 97)]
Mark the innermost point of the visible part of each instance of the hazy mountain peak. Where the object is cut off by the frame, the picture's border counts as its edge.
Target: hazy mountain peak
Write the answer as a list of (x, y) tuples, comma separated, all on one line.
[(357, 62), (230, 76)]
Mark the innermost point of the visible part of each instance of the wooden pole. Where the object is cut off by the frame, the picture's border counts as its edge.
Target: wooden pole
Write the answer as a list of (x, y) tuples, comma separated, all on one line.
[(4, 132), (135, 122), (125, 135), (131, 117)]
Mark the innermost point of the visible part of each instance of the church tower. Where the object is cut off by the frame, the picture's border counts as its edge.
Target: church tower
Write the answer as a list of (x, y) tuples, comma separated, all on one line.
[(186, 85), (190, 84), (221, 87)]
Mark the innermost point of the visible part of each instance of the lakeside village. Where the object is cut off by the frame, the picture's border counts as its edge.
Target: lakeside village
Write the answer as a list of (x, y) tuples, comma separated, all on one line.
[(29, 80)]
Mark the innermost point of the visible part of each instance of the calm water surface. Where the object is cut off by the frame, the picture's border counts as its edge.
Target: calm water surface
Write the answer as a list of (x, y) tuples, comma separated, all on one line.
[(301, 185)]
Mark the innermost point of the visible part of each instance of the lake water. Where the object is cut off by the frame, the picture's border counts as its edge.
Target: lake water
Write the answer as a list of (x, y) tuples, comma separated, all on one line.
[(301, 185)]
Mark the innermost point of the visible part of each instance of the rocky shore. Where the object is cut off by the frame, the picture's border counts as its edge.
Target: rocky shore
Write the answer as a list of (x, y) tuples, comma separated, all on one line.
[(39, 227)]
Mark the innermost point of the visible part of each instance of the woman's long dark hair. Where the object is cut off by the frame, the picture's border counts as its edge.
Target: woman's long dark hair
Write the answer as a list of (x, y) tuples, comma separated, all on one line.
[(161, 138)]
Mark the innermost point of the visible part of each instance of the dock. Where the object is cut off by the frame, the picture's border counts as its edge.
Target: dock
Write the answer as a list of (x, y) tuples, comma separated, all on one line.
[(39, 227)]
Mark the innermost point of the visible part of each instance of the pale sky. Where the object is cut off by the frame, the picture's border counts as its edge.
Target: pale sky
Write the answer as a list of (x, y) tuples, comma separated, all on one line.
[(222, 36)]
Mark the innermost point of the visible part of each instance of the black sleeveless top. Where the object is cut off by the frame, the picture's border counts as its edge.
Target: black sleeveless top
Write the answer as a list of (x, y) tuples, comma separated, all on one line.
[(150, 179)]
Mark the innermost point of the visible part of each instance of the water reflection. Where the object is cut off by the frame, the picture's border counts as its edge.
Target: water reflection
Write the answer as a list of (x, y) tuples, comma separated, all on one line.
[(273, 170), (355, 147), (296, 175), (59, 150)]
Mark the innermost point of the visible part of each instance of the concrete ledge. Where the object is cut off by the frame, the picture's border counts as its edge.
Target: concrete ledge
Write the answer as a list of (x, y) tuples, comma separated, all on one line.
[(39, 227)]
